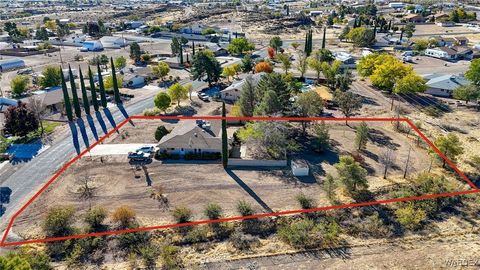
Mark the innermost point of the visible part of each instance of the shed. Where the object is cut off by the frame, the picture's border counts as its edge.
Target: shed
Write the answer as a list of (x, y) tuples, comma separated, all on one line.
[(10, 64), (300, 167)]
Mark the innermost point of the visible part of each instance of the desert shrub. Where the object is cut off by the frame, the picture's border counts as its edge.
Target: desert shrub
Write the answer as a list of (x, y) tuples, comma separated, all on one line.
[(245, 208), (58, 221), (182, 214), (149, 254), (243, 241), (170, 258), (160, 132), (152, 112), (124, 215), (305, 201), (213, 211), (132, 242), (83, 251), (475, 162), (306, 233), (95, 217), (410, 218), (196, 235)]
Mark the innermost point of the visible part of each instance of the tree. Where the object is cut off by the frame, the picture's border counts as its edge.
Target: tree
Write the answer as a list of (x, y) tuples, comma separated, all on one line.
[(322, 137), (228, 72), (361, 37), (178, 92), (19, 85), (450, 145), (285, 61), (315, 64), (324, 39), (176, 46), (361, 136), (308, 104), (37, 106), (269, 104), (410, 83), (276, 43), (86, 104), (213, 211), (274, 82), (51, 25), (295, 45), (240, 46), (73, 87), (324, 55), (205, 64), (344, 33), (161, 70), (473, 72), (224, 138), (348, 103), (135, 51), (330, 72), (247, 63), (108, 82), (20, 120), (410, 217), (344, 80), (302, 64), (50, 77), (93, 91), (103, 97), (58, 221), (120, 62), (116, 91), (409, 29), (271, 52), (41, 34), (351, 174), (245, 208), (189, 88), (95, 217), (387, 158), (162, 101), (467, 93), (66, 98), (389, 72), (247, 99), (123, 215), (367, 64), (263, 67), (305, 201), (160, 132)]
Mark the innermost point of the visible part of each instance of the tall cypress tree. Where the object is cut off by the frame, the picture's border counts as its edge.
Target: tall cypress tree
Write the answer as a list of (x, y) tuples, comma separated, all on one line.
[(66, 98), (324, 37), (224, 138), (306, 43), (86, 104), (116, 91), (193, 48), (389, 25), (310, 42), (76, 103), (103, 97), (181, 55), (92, 89)]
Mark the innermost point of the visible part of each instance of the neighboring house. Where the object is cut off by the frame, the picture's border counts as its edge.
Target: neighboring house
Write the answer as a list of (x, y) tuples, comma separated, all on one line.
[(446, 24), (193, 136), (10, 64), (463, 52), (347, 59), (92, 46), (233, 92), (52, 98), (113, 42), (443, 84), (217, 49), (131, 80), (444, 53), (396, 5), (461, 41), (414, 18), (134, 24), (5, 103)]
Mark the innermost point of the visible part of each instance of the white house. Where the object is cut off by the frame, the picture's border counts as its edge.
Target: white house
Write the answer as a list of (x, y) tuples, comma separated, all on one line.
[(396, 5), (347, 59), (443, 84), (232, 93), (113, 42), (193, 137), (133, 80), (442, 53)]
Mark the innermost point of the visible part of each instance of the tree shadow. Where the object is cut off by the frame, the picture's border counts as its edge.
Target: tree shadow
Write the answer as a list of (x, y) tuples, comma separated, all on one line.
[(83, 131), (380, 138), (76, 143), (5, 193), (109, 116), (124, 113), (101, 122), (92, 126), (248, 190)]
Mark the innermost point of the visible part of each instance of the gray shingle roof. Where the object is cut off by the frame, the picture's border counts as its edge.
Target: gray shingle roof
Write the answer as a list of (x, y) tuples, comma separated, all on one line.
[(190, 134)]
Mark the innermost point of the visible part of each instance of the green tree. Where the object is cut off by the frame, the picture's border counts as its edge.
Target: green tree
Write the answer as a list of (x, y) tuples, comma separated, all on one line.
[(162, 101), (93, 91), (467, 93), (330, 72), (410, 83), (322, 136), (367, 64), (450, 145), (274, 82), (175, 46), (240, 46), (308, 104), (409, 217), (284, 59), (347, 102), (135, 51), (324, 39), (245, 208), (409, 29), (344, 80), (50, 77), (120, 62), (302, 64), (247, 63), (269, 105), (108, 82), (116, 91), (361, 37), (224, 138), (247, 99), (361, 136), (386, 75), (20, 120), (58, 221), (103, 96), (86, 104), (178, 92), (161, 70), (351, 174), (315, 64), (213, 211), (73, 87), (473, 72), (14, 262), (19, 85), (182, 214), (160, 132), (95, 217), (66, 98), (276, 43), (205, 64), (228, 72)]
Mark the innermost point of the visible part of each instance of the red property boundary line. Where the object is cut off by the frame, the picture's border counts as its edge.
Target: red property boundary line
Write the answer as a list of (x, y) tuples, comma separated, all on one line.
[(69, 163)]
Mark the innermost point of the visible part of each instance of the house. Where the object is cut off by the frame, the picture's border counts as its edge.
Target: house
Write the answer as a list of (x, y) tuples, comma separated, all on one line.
[(347, 59), (463, 52), (113, 42), (396, 5), (233, 92), (444, 53), (10, 64), (461, 41), (446, 24), (131, 80), (52, 98), (414, 18), (134, 24), (193, 137), (443, 84), (217, 49), (92, 46)]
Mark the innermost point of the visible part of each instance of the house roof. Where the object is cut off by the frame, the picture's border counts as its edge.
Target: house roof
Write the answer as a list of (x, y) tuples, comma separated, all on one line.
[(446, 81), (239, 84), (449, 51), (53, 95), (462, 49), (194, 134)]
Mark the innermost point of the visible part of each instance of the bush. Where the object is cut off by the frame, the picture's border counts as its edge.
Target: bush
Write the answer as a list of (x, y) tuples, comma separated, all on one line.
[(306, 234), (196, 235), (59, 221), (305, 201), (164, 155), (95, 217), (213, 211), (160, 132), (243, 241), (124, 215), (245, 208), (152, 112), (203, 156), (133, 241), (170, 257), (410, 217), (149, 254), (182, 214)]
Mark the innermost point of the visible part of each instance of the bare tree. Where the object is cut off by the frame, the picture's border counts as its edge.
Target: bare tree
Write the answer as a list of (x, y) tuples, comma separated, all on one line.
[(38, 108), (86, 190), (387, 158)]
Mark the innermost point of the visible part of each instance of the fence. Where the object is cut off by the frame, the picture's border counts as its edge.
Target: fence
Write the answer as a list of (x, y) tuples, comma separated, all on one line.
[(256, 163)]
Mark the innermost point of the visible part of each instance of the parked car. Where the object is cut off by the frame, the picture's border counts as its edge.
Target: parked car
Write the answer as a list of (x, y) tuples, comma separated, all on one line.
[(138, 156), (25, 71), (203, 96), (146, 149)]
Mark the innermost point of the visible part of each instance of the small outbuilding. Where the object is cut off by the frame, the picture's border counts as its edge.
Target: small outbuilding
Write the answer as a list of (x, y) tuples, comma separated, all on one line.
[(300, 167), (92, 46), (10, 64)]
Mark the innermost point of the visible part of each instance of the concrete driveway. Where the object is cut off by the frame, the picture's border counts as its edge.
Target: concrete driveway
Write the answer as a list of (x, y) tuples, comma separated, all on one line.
[(116, 149)]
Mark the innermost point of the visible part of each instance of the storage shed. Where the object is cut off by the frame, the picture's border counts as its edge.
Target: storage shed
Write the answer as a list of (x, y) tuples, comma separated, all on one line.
[(300, 167), (9, 64)]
